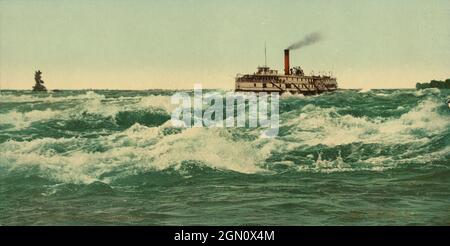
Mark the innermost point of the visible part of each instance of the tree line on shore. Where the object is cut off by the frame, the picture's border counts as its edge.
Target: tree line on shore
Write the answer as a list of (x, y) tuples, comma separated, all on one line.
[(434, 84)]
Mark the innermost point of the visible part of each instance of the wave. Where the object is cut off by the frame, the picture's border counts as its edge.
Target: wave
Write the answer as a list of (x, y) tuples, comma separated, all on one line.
[(48, 97), (370, 144), (138, 149), (20, 120), (317, 134), (77, 111), (313, 125)]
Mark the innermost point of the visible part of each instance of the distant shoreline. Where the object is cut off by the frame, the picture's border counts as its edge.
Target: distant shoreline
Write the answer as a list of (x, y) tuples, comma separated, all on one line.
[(440, 84), (103, 89)]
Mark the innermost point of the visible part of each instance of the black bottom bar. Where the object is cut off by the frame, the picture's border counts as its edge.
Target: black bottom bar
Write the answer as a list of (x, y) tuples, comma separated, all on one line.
[(203, 234)]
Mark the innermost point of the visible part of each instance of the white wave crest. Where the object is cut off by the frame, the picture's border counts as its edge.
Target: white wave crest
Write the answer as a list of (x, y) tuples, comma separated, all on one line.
[(325, 126), (21, 120), (90, 102), (136, 150)]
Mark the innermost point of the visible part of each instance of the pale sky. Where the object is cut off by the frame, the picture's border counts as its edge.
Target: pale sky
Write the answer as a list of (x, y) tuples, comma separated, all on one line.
[(174, 44)]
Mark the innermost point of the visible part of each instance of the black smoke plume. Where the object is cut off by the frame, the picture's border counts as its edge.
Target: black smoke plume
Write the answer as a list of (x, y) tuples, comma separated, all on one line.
[(309, 39)]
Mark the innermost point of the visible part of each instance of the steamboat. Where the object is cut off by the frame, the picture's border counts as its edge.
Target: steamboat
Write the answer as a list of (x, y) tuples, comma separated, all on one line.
[(293, 81)]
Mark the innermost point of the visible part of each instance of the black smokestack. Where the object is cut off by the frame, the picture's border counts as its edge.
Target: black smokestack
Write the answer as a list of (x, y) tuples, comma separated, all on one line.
[(309, 39)]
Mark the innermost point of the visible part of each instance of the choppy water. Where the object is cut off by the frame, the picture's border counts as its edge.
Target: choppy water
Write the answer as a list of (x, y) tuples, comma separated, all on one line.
[(112, 157)]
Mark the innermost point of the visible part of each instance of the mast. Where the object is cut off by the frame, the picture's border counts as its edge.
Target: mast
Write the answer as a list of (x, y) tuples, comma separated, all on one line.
[(265, 55)]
